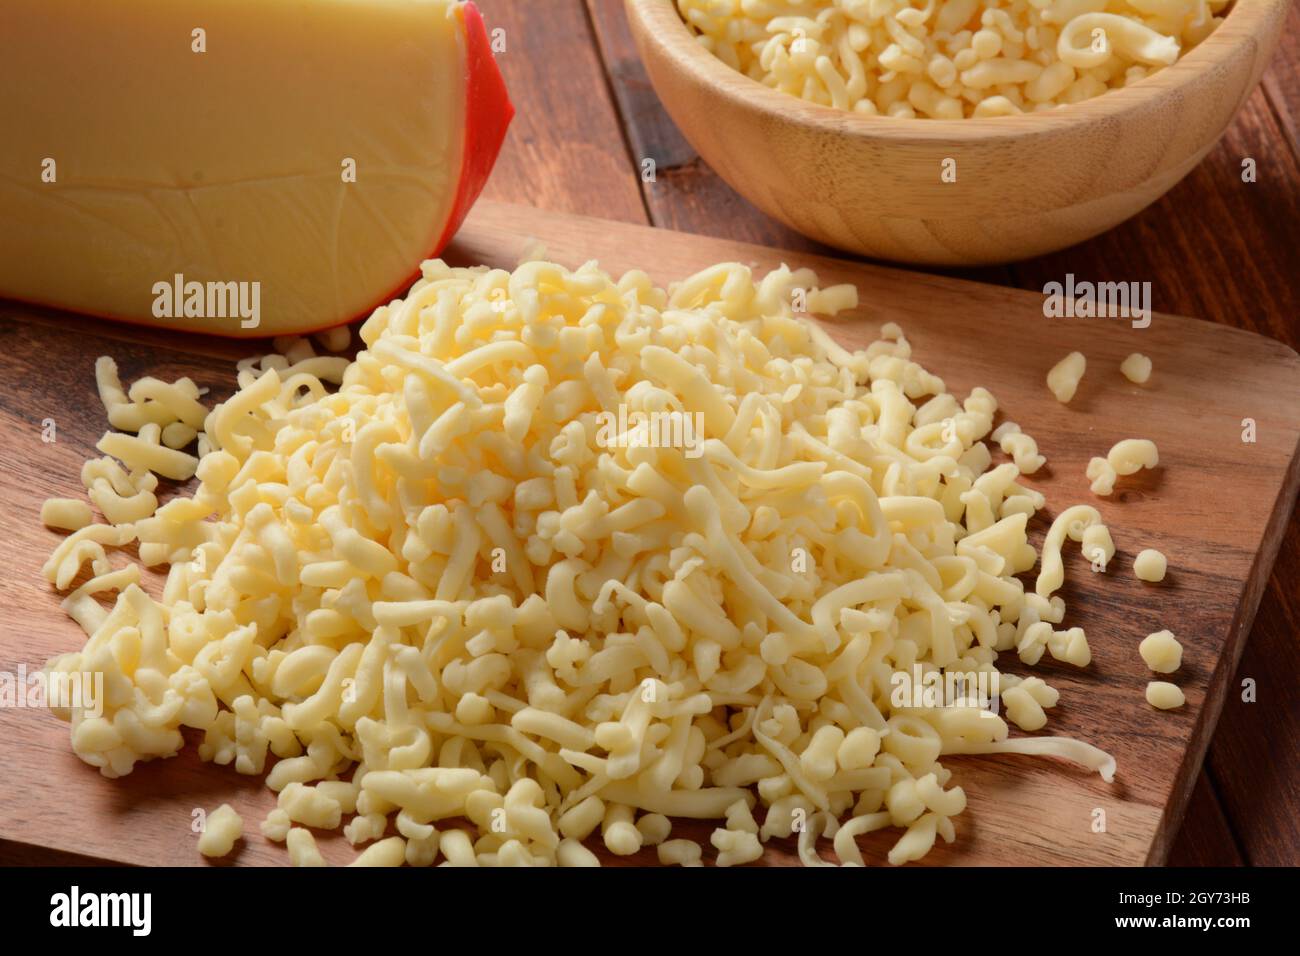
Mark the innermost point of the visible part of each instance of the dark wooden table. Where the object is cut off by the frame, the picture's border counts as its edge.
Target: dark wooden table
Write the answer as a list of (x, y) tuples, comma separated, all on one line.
[(1214, 247)]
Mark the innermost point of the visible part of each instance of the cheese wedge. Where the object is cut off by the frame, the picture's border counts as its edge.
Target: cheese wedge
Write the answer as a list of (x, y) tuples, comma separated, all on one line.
[(238, 167)]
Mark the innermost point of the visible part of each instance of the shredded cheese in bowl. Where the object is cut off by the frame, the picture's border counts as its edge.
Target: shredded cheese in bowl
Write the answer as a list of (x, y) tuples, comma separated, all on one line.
[(565, 553), (949, 59)]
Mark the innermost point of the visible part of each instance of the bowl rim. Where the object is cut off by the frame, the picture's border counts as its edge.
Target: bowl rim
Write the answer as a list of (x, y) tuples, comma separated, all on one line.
[(658, 22)]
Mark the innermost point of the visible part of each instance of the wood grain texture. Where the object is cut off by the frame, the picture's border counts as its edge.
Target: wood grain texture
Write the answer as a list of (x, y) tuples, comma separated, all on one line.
[(1210, 844), (1217, 507), (1283, 91), (24, 854), (1026, 184), (684, 193), (565, 148), (1253, 759)]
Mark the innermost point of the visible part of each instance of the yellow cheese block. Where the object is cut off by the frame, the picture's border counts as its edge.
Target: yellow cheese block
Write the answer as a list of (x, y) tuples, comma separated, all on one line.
[(240, 167)]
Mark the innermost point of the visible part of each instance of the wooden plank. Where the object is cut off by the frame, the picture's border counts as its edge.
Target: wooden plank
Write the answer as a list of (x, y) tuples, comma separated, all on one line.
[(565, 150), (1214, 245), (684, 194), (650, 132), (1253, 759), (1216, 507), (1205, 838), (22, 854), (1280, 79)]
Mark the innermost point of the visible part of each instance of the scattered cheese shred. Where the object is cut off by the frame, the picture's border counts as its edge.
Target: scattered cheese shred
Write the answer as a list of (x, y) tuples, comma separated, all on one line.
[(1163, 695), (1136, 368), (952, 60), (1064, 377), (1150, 565), (220, 831), (1161, 652)]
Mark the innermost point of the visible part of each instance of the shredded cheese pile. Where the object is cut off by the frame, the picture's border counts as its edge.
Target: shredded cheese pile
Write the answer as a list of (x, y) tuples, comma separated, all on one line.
[(949, 59), (453, 599)]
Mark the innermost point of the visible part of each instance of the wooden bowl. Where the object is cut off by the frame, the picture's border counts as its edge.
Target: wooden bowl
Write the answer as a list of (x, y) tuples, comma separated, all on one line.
[(1025, 185)]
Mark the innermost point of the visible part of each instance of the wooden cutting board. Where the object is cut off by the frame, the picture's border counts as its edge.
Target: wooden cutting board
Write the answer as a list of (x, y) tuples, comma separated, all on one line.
[(1216, 507)]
